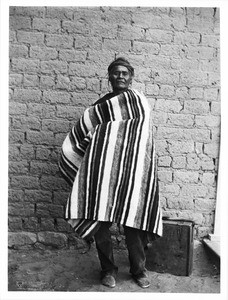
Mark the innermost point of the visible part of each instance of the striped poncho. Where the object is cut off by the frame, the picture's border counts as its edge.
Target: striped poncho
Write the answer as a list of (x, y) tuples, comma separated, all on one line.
[(109, 159)]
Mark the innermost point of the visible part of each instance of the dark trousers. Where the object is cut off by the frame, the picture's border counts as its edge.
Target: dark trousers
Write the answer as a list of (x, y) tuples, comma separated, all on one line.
[(136, 241)]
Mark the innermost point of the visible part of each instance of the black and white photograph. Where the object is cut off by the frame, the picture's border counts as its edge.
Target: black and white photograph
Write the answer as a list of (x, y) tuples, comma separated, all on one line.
[(115, 150)]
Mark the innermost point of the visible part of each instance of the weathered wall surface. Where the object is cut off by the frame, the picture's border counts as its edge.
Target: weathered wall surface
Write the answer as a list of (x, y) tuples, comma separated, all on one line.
[(58, 66)]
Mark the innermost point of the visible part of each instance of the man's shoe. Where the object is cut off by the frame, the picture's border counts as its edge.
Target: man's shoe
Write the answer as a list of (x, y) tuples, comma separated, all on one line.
[(109, 281), (142, 280)]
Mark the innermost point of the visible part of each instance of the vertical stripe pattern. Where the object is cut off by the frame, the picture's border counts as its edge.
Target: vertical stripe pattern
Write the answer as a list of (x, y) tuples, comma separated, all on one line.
[(109, 158)]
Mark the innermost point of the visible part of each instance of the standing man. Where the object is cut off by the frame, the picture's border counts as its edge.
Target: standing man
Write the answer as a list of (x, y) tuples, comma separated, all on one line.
[(109, 157)]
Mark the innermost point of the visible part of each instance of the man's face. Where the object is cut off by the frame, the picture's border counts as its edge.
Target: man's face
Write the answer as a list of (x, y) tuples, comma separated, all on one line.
[(120, 79)]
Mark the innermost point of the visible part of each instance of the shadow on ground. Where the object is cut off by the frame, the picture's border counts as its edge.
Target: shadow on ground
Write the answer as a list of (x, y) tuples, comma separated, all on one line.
[(69, 270)]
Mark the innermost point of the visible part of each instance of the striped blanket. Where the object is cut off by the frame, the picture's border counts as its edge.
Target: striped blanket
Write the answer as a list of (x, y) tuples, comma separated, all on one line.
[(109, 159)]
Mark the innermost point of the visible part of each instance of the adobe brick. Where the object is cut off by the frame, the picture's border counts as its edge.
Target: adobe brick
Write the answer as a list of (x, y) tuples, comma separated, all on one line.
[(208, 178), (148, 20), (204, 205), (55, 126), (193, 78), (43, 153), (207, 121), (167, 90), (206, 162), (209, 66), (212, 149), (72, 55), (179, 162), (16, 108), (14, 153), (23, 65), (198, 135), (43, 53), (12, 36), (93, 84), (21, 167), (159, 118), (40, 138), (165, 176), (214, 79), (77, 83), (216, 108), (31, 11), (31, 80), (170, 50), (169, 188), (21, 209), (129, 32), (168, 105), (49, 210), (152, 89), (185, 64), (39, 168), (54, 67), (16, 137), (112, 45), (186, 176), (182, 120), (180, 203), (196, 92), (196, 107), (27, 95), (23, 181), (164, 161), (35, 196), (211, 94), (210, 40), (193, 162), (59, 40), (159, 36), (31, 224), (18, 22), (56, 97), (165, 76), (46, 25), (61, 197), (215, 135), (18, 239), (17, 51), (76, 27), (14, 223), (185, 38), (47, 82), (54, 239), (27, 151), (47, 224), (180, 147), (90, 42), (179, 23), (195, 190), (200, 25), (52, 183), (15, 195), (31, 38), (60, 13)]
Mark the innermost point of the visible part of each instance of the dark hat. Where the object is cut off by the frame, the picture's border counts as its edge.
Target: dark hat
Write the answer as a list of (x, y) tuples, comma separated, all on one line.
[(121, 61)]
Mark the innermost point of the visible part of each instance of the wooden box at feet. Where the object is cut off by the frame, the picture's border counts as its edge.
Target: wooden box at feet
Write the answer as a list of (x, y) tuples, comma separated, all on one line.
[(173, 252)]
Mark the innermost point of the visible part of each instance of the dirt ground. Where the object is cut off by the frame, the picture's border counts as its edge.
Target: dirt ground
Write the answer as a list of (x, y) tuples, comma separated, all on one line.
[(70, 270)]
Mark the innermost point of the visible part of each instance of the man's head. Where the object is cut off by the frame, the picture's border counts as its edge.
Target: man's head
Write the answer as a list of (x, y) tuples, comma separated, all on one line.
[(120, 74)]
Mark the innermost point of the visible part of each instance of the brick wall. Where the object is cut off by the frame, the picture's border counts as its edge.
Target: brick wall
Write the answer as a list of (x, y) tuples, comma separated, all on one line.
[(58, 66)]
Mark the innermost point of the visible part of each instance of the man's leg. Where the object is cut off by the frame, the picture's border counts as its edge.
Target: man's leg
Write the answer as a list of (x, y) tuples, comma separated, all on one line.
[(105, 253), (136, 241)]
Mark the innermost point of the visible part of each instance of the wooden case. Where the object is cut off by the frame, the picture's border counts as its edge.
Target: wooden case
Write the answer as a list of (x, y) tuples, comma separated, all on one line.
[(172, 253)]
